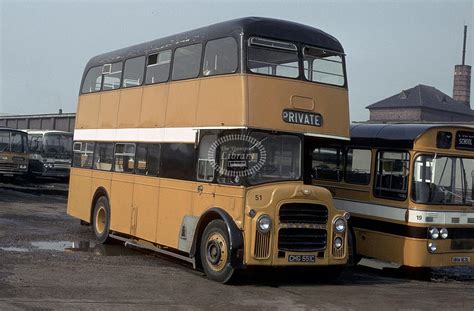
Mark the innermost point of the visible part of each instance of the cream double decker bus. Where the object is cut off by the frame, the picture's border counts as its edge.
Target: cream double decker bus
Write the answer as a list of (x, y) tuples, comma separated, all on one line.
[(192, 146), (409, 189)]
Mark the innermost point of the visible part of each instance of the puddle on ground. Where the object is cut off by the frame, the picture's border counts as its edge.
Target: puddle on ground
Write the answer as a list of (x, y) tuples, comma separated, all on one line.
[(14, 249), (81, 246), (86, 246)]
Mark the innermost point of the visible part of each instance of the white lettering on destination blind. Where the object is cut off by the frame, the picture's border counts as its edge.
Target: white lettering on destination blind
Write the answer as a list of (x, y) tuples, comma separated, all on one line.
[(299, 117)]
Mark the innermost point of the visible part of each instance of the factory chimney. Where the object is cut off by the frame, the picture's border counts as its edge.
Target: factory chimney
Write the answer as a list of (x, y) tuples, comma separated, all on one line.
[(462, 77)]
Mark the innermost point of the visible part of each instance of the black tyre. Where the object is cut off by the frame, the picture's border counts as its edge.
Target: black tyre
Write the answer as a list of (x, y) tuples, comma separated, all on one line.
[(215, 252), (353, 259), (101, 220)]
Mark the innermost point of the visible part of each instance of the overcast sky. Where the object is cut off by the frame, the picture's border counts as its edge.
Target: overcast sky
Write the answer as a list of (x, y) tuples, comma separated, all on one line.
[(390, 45)]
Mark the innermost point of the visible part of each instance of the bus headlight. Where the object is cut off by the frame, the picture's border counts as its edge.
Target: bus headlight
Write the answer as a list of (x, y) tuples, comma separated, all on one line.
[(340, 225), (434, 233), (338, 243), (432, 247), (22, 166), (264, 223), (443, 233)]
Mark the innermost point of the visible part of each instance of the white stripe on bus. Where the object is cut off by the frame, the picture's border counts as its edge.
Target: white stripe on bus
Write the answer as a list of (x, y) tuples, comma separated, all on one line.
[(161, 134), (399, 214)]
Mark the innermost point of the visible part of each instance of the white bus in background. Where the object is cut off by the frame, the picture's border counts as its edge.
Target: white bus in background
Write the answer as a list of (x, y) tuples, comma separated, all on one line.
[(51, 153)]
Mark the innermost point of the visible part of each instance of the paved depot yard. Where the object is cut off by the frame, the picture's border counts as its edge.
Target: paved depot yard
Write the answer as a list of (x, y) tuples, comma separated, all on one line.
[(41, 268)]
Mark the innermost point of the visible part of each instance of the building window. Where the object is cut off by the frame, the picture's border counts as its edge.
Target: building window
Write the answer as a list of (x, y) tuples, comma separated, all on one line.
[(104, 156), (124, 158), (93, 80), (158, 67), (220, 57), (186, 62), (148, 159), (392, 175), (323, 66), (327, 164), (358, 164), (83, 153), (133, 71), (112, 75)]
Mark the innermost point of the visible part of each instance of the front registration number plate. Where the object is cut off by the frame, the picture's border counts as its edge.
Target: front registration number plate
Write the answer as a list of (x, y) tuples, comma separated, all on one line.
[(301, 258), (461, 260)]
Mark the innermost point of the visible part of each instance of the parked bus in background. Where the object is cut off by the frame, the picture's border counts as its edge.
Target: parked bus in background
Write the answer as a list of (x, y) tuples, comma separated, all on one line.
[(409, 189), (192, 145), (51, 153), (13, 153)]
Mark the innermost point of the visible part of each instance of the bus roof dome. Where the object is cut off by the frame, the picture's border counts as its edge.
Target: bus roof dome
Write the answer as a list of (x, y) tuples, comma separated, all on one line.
[(248, 26)]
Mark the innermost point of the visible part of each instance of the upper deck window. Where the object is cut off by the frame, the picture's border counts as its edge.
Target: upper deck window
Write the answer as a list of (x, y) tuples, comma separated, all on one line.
[(220, 57), (93, 80), (323, 66), (112, 76), (187, 61), (274, 58), (158, 67), (133, 71)]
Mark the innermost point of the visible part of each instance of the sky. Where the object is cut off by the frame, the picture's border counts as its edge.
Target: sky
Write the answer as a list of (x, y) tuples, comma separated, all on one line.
[(390, 45)]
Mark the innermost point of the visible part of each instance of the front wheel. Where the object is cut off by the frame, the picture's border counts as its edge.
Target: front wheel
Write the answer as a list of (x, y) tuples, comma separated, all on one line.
[(215, 252), (101, 220), (353, 259)]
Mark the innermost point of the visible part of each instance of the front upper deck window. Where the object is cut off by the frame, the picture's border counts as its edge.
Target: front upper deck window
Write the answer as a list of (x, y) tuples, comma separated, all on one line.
[(323, 66), (274, 58)]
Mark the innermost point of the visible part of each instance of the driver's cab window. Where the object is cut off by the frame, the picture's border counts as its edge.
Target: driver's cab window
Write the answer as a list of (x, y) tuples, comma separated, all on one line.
[(35, 143), (205, 170), (327, 163)]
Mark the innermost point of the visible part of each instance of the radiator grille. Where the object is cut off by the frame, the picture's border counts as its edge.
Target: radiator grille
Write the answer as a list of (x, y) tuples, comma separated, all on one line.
[(303, 213), (262, 245), (302, 239), (8, 166)]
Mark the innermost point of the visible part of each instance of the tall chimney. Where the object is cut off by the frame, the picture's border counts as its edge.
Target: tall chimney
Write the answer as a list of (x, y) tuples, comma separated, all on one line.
[(462, 77)]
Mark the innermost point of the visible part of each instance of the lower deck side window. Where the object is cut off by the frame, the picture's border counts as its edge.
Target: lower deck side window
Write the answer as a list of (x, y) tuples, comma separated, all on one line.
[(392, 175)]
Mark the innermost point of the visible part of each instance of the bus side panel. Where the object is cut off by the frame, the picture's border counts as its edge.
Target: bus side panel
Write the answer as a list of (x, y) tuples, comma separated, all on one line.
[(80, 197), (121, 207), (182, 103), (222, 101), (232, 200), (380, 245), (175, 202), (109, 104), (87, 111), (129, 110), (146, 193), (153, 107)]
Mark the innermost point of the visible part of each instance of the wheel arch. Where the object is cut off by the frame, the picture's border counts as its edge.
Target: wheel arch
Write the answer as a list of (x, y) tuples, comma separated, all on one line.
[(236, 240)]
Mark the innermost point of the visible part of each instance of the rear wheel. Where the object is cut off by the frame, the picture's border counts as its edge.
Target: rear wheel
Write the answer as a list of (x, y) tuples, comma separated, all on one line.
[(101, 220), (215, 252)]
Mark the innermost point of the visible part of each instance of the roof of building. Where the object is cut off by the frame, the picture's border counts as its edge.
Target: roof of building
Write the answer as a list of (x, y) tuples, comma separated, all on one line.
[(247, 26), (390, 135), (423, 96)]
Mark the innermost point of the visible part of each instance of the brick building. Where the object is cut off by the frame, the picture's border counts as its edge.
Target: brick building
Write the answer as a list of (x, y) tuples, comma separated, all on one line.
[(421, 103)]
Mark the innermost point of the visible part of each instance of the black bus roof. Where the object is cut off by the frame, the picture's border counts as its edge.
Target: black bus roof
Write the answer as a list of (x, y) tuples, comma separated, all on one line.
[(247, 26), (391, 135)]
